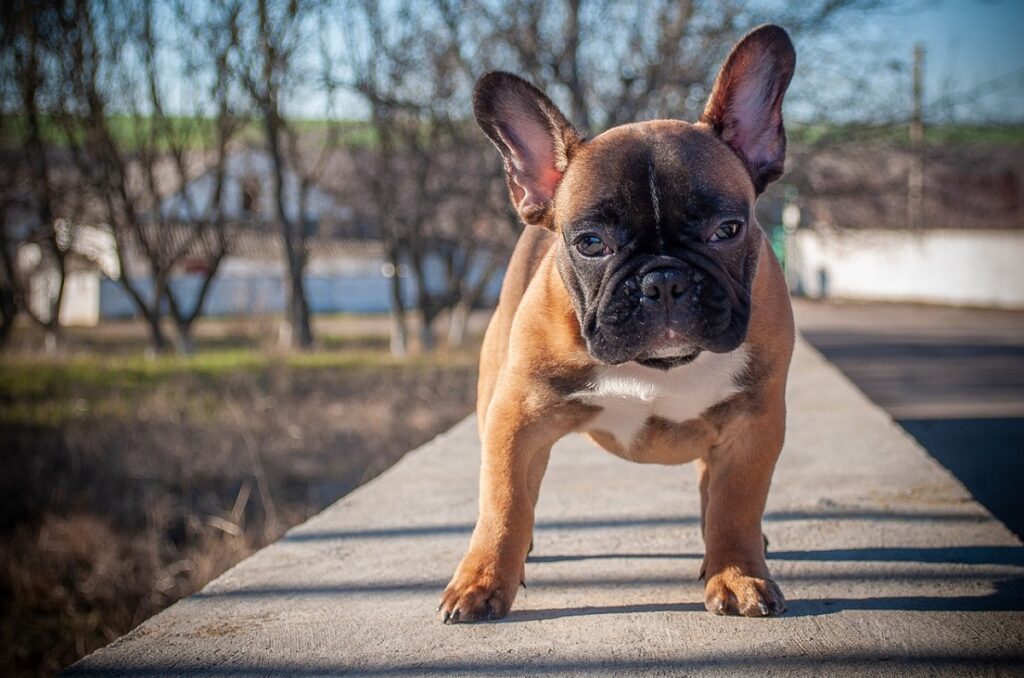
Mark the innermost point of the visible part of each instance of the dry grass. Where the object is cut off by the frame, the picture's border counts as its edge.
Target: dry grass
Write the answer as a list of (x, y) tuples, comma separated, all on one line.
[(131, 482)]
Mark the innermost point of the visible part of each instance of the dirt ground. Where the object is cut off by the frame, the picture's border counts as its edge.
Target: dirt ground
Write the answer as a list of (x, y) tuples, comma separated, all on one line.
[(131, 482)]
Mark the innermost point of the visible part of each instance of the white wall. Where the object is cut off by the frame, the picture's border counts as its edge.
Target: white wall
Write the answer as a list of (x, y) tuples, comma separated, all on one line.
[(81, 302), (983, 268)]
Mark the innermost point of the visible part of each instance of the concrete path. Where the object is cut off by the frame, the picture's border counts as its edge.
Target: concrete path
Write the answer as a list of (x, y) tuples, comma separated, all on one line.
[(923, 362), (952, 377), (889, 567)]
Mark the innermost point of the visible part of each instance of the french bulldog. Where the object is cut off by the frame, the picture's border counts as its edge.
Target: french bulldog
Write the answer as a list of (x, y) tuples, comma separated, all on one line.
[(644, 308)]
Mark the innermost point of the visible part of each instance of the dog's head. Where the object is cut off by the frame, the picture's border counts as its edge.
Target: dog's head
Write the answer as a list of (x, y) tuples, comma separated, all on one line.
[(658, 244)]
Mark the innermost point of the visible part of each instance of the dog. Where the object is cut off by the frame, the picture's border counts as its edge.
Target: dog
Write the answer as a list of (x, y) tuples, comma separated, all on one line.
[(644, 308)]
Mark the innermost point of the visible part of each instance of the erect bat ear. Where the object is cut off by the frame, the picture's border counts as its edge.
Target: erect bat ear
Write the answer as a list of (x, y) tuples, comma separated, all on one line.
[(535, 140), (745, 108)]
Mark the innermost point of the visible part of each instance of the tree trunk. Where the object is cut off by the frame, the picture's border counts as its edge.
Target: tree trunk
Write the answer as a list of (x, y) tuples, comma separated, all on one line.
[(8, 312), (471, 294), (426, 330), (299, 331), (53, 328), (457, 322), (183, 342), (151, 312), (157, 339), (184, 321), (399, 334), (299, 327), (302, 335), (577, 96), (266, 92), (426, 308)]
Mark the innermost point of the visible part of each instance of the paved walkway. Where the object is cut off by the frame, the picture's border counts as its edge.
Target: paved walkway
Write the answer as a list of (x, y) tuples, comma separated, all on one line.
[(889, 567), (952, 377), (924, 362)]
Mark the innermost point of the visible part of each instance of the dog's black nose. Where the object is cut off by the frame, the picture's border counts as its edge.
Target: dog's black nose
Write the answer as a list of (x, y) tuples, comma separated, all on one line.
[(664, 284)]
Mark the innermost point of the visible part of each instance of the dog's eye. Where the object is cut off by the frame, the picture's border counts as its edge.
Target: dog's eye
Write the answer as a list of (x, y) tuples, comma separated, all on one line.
[(590, 245), (726, 230)]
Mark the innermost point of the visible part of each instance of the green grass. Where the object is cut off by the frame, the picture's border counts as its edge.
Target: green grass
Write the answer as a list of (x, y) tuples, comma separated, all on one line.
[(31, 376), (42, 391), (898, 135), (199, 133), (131, 134), (128, 132), (981, 135)]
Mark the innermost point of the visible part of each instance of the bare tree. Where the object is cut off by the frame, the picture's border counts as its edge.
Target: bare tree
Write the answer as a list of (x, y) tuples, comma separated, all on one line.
[(28, 28), (268, 63), (10, 291), (430, 179), (133, 154), (373, 72), (615, 62)]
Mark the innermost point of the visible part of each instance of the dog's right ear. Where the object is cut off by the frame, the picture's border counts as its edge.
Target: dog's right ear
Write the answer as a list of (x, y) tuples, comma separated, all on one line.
[(535, 140)]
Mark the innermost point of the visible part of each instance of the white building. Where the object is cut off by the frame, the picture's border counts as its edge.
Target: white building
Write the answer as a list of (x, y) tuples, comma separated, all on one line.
[(344, 273), (247, 195), (956, 267)]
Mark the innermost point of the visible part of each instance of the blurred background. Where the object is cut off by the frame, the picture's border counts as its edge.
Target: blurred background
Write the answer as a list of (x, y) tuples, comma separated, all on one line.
[(249, 248)]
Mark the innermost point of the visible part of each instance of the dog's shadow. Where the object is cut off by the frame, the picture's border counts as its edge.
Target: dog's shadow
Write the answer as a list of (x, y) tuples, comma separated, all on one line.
[(996, 601), (1008, 593), (545, 614)]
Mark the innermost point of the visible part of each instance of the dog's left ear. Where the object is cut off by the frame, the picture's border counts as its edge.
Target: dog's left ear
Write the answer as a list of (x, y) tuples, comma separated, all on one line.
[(745, 108)]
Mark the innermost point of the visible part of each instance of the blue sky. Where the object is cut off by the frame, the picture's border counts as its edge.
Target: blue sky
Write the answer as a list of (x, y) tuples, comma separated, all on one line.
[(968, 43), (861, 69)]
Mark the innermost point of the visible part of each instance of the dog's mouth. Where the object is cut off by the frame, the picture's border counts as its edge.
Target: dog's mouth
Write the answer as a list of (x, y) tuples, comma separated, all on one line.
[(668, 363), (670, 354)]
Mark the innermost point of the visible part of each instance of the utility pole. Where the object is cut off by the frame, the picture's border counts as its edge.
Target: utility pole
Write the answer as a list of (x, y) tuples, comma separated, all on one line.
[(915, 174)]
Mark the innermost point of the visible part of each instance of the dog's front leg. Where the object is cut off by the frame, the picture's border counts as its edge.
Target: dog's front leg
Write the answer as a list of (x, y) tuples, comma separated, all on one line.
[(735, 477), (514, 456)]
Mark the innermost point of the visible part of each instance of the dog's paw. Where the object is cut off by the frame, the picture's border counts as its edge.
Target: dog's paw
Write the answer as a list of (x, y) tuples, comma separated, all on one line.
[(477, 594), (731, 592)]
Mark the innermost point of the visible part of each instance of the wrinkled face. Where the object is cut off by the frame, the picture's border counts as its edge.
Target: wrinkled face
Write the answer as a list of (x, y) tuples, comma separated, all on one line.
[(658, 241), (658, 244)]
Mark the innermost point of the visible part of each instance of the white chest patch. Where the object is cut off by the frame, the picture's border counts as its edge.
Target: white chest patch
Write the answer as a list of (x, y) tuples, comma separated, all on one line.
[(630, 394)]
